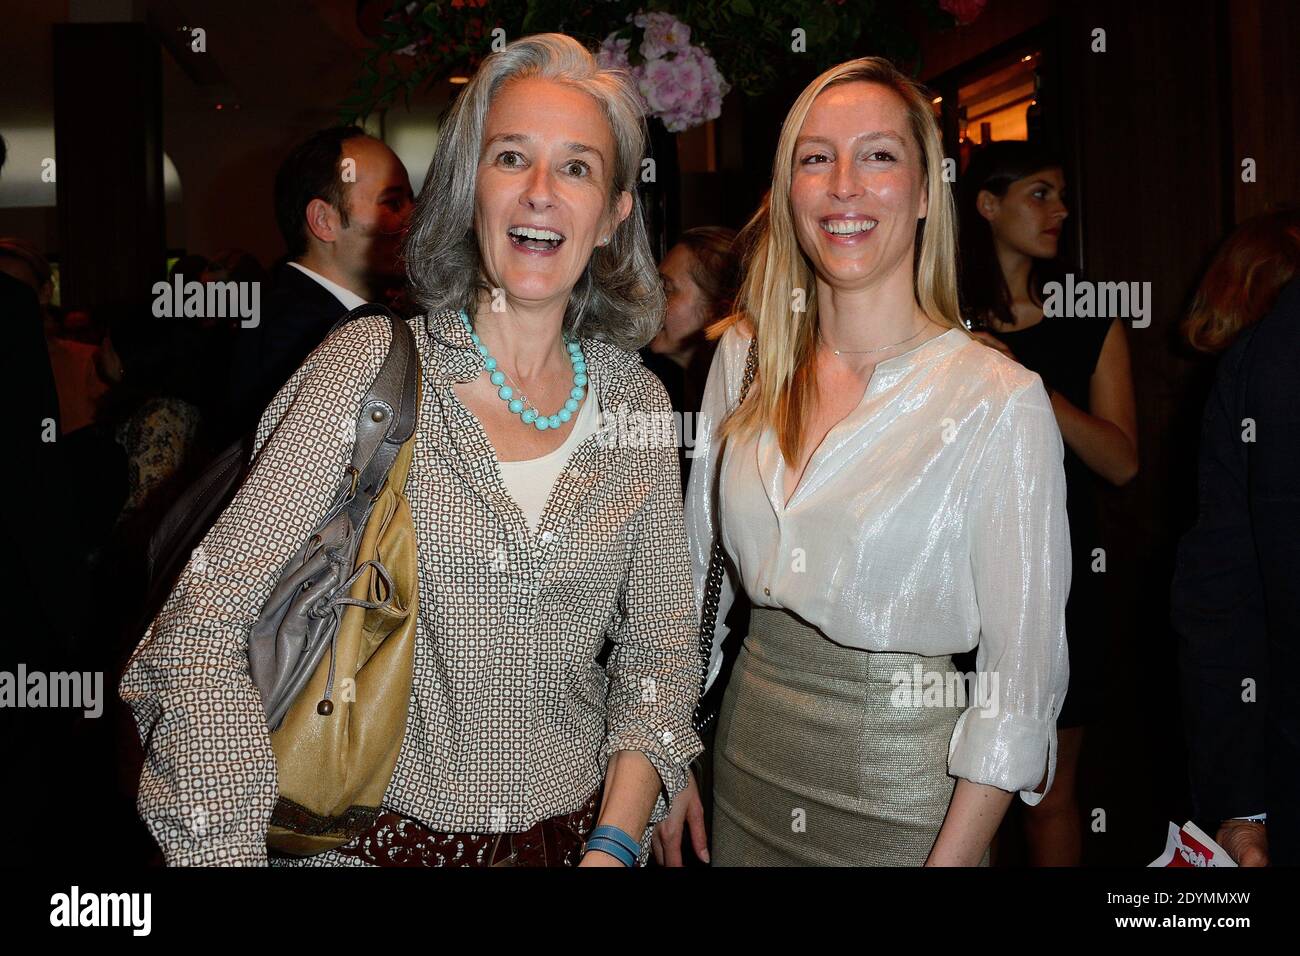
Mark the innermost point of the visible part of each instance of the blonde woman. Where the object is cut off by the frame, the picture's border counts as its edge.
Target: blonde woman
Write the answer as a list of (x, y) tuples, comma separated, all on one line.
[(890, 493)]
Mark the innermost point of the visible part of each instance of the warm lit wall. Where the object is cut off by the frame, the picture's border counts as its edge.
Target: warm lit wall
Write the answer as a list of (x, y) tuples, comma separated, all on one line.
[(287, 65), (1265, 43)]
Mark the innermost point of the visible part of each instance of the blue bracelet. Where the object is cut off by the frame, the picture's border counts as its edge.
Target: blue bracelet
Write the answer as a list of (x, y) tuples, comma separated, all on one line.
[(616, 850), (621, 837)]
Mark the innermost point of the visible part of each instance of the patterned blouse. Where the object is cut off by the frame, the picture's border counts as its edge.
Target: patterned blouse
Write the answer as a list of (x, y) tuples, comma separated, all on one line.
[(512, 720)]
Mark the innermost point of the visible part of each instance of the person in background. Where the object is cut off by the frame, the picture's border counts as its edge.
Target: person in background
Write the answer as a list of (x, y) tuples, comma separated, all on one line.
[(233, 265), (1012, 207), (220, 340), (700, 275), (153, 439), (189, 266), (152, 410), (29, 547), (1234, 600), (77, 325), (30, 394), (74, 363), (342, 202)]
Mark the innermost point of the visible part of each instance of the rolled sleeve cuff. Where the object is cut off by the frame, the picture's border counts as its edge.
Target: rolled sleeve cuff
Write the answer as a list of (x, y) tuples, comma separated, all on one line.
[(668, 752), (1004, 750)]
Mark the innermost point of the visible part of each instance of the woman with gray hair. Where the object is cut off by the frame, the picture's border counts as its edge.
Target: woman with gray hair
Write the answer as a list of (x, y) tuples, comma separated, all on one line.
[(544, 542)]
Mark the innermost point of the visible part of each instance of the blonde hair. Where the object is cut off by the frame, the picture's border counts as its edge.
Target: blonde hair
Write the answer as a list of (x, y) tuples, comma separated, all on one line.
[(785, 385)]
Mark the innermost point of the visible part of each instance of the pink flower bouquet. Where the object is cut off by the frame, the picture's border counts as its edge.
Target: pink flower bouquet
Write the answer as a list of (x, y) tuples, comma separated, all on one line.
[(678, 83)]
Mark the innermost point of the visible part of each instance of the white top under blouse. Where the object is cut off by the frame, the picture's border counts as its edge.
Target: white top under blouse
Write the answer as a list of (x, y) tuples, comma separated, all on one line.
[(930, 520), (530, 481)]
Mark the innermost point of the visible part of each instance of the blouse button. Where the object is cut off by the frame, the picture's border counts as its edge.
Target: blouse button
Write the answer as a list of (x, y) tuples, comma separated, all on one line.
[(767, 592), (547, 537)]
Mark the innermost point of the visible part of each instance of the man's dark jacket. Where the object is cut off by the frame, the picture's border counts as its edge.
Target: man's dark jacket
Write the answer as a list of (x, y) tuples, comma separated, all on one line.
[(1236, 591), (297, 314)]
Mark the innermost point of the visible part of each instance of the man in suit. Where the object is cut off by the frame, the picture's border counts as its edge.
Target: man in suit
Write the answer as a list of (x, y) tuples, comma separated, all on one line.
[(342, 202), (1236, 603)]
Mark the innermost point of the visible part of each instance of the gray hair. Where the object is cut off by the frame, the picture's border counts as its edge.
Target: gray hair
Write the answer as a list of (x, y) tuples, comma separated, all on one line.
[(618, 299)]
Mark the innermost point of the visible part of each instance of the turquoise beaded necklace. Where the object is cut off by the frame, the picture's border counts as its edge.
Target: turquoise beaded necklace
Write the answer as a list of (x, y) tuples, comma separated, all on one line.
[(518, 403)]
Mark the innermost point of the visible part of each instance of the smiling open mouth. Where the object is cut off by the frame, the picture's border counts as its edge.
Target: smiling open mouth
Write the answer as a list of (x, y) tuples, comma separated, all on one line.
[(848, 227), (537, 240)]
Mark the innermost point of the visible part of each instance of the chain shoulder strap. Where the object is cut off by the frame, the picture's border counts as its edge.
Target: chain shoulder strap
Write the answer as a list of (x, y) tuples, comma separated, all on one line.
[(704, 716)]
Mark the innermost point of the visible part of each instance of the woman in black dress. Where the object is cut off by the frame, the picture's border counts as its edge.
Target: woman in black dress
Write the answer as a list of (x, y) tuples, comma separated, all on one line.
[(1012, 209)]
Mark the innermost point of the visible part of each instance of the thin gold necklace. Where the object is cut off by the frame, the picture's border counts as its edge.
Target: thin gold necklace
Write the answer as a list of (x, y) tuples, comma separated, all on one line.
[(881, 348)]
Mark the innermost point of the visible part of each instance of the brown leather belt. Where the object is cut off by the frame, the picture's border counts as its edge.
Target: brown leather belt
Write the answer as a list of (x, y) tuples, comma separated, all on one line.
[(397, 840)]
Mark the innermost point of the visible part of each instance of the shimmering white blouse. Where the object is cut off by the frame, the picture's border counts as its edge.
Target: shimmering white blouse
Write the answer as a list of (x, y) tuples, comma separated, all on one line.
[(930, 520)]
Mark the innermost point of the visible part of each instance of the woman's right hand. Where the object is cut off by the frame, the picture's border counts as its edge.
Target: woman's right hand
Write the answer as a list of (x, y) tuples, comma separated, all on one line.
[(686, 809)]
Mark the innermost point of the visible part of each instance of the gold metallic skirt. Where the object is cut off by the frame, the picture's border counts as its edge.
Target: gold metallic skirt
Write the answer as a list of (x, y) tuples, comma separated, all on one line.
[(815, 762)]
